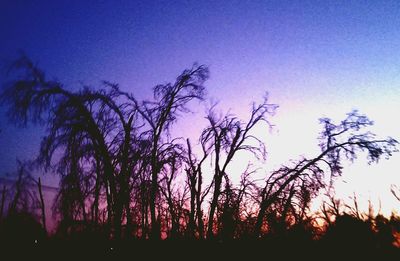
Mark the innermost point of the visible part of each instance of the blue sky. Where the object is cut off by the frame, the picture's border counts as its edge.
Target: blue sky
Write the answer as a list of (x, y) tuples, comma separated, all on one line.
[(315, 58)]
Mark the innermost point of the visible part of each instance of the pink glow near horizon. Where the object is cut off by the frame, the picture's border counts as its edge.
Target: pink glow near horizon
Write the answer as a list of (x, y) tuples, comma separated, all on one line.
[(315, 60)]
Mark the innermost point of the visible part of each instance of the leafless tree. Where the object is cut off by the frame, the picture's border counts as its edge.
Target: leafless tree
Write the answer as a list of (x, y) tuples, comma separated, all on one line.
[(170, 101), (24, 199), (122, 171), (172, 156), (79, 124), (194, 172), (345, 140), (225, 137), (233, 208)]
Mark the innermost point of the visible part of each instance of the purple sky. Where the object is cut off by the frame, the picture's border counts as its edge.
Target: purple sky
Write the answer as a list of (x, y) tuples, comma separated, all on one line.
[(315, 58)]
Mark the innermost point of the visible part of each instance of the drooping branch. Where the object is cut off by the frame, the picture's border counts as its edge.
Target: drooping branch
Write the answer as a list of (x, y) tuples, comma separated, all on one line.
[(337, 142)]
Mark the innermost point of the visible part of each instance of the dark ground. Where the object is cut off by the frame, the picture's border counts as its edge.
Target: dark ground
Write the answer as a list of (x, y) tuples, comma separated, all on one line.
[(92, 249)]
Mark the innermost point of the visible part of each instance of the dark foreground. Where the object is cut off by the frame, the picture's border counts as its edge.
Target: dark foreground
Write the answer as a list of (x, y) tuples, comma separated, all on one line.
[(265, 249)]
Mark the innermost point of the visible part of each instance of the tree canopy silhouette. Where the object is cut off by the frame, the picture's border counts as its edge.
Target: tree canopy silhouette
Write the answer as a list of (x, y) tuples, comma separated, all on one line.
[(123, 175)]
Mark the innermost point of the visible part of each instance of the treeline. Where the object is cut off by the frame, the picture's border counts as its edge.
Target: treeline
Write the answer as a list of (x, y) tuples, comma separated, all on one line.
[(124, 176)]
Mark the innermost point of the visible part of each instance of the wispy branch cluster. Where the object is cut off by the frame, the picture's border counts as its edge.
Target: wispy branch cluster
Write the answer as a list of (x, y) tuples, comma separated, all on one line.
[(123, 175)]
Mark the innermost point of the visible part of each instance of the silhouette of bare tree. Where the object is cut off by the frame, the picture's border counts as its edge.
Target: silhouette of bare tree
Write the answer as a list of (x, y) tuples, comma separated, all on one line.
[(122, 175), (226, 136), (337, 141)]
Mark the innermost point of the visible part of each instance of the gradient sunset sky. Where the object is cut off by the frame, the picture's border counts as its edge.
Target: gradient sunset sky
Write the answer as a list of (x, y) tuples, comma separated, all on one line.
[(315, 58)]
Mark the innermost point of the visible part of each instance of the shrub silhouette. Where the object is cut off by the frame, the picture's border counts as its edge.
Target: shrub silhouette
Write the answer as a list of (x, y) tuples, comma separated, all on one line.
[(21, 228), (349, 232)]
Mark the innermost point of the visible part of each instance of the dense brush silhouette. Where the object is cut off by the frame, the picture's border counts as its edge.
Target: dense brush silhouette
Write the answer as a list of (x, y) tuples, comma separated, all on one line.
[(350, 232), (125, 179), (21, 228)]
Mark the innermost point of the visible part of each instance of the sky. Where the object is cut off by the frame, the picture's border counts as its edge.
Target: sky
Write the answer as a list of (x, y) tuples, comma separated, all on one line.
[(314, 58)]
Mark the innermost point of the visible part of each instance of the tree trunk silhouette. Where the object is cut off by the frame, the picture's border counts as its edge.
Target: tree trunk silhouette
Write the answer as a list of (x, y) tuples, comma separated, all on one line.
[(42, 206)]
